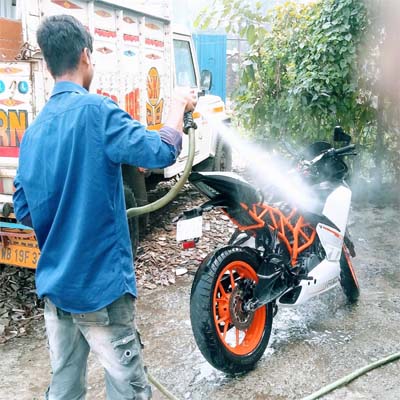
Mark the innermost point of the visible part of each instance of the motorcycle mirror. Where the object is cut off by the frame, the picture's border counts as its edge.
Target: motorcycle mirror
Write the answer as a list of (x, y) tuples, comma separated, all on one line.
[(205, 80), (339, 135)]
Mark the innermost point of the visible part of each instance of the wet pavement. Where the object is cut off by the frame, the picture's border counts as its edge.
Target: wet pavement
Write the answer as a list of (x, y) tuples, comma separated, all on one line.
[(311, 345)]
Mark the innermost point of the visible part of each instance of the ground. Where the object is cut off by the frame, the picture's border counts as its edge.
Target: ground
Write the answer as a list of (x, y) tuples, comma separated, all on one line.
[(311, 345)]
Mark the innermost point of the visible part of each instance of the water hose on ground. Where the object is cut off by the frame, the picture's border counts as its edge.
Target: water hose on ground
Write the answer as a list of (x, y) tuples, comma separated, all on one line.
[(349, 378), (190, 127), (161, 388), (316, 395)]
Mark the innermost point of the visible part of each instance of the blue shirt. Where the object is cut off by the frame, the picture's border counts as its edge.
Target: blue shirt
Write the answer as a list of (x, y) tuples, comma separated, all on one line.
[(69, 182)]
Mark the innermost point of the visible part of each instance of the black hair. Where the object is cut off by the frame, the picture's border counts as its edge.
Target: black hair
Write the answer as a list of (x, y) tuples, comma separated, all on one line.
[(62, 39)]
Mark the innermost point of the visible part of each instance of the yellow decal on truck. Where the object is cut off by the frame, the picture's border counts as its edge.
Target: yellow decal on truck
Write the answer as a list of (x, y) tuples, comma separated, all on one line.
[(155, 105)]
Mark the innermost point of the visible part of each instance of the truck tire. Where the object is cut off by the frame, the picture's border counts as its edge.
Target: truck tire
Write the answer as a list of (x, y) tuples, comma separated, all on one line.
[(223, 157), (222, 161), (133, 223), (136, 182)]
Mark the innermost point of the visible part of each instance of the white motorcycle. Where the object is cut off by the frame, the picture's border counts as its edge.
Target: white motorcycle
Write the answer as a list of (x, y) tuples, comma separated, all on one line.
[(278, 256)]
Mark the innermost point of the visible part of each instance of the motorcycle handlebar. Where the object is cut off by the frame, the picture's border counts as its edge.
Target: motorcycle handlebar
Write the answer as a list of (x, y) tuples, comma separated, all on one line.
[(345, 149)]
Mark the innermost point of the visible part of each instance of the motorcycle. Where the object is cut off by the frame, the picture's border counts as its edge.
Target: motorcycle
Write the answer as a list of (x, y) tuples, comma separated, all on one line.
[(279, 255)]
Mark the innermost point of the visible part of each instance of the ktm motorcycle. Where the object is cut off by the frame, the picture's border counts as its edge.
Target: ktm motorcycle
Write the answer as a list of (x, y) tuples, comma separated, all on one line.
[(277, 256)]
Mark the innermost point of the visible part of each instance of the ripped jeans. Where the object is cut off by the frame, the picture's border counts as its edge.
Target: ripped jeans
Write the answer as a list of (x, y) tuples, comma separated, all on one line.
[(111, 335)]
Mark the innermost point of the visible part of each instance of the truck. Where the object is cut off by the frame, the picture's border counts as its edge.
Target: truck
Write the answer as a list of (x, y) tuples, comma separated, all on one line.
[(139, 57)]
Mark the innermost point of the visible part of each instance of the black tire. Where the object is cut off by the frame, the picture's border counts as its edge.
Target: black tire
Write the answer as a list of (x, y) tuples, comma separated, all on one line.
[(205, 312), (205, 165), (133, 223), (223, 157), (135, 180), (348, 278), (222, 161)]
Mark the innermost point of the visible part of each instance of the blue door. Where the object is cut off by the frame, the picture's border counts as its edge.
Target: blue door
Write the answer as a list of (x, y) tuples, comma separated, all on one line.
[(211, 55)]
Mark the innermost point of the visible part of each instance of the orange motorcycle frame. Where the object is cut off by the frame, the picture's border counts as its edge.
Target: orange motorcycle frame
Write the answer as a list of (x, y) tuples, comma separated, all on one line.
[(292, 229)]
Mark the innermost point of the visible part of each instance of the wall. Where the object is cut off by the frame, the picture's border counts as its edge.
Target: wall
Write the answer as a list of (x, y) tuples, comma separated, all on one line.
[(10, 39)]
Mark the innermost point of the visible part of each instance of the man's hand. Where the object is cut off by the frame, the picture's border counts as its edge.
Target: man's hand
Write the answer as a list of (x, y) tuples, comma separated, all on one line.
[(186, 96), (183, 100)]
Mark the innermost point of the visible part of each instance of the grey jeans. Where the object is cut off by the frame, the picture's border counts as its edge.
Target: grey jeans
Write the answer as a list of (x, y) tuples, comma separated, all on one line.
[(111, 335)]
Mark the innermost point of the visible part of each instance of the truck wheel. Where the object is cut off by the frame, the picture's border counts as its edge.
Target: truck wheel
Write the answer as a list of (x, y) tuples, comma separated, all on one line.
[(135, 180), (222, 161), (133, 223), (206, 165), (223, 157), (140, 191)]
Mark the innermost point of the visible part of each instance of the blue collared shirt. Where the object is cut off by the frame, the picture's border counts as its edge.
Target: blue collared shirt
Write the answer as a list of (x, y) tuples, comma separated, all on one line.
[(69, 182)]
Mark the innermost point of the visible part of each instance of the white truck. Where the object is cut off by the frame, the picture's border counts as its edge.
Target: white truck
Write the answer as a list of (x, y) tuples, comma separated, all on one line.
[(139, 57)]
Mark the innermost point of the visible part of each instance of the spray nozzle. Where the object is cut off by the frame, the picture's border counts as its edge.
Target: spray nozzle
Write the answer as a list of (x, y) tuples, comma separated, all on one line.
[(188, 122)]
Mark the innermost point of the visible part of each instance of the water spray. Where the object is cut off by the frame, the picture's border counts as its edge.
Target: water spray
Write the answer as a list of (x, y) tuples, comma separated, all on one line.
[(269, 170)]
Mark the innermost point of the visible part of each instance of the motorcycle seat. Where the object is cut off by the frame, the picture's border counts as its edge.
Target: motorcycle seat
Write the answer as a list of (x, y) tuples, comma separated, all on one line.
[(229, 184)]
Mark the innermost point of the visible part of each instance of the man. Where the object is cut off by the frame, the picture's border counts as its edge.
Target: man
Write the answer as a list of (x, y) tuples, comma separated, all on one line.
[(69, 188)]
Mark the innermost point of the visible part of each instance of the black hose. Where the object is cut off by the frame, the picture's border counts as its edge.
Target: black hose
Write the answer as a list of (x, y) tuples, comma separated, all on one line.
[(174, 191)]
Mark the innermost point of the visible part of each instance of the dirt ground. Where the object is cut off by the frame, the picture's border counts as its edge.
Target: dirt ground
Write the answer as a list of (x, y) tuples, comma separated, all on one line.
[(310, 346)]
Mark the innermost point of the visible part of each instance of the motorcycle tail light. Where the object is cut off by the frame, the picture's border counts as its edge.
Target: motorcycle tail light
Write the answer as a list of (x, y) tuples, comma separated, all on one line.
[(189, 244)]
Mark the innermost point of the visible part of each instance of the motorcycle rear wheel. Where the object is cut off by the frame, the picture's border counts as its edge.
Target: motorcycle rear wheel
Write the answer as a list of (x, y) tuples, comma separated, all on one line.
[(348, 278), (231, 339)]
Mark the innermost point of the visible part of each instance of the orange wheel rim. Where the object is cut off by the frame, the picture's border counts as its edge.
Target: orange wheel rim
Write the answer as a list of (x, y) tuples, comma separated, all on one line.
[(242, 333)]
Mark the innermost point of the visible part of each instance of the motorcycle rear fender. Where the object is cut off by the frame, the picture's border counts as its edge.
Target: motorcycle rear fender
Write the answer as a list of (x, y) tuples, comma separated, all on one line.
[(205, 207)]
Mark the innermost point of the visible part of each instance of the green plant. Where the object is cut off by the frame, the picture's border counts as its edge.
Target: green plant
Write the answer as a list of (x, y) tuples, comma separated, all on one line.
[(311, 67)]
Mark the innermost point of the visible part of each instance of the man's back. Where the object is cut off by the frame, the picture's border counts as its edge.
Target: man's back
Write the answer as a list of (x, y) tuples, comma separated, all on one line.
[(75, 197)]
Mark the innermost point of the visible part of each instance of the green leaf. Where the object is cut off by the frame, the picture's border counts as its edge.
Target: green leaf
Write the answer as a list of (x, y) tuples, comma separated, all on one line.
[(250, 72), (196, 22), (225, 12), (206, 22), (250, 34)]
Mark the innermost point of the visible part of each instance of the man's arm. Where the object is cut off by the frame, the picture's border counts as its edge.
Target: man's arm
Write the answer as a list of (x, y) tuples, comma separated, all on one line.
[(127, 141), (21, 209)]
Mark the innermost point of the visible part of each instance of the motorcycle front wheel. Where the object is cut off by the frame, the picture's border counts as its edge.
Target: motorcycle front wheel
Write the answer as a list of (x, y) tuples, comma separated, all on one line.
[(348, 278), (230, 338)]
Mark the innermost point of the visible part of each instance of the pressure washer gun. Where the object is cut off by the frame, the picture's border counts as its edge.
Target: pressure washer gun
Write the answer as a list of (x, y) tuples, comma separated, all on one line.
[(188, 122)]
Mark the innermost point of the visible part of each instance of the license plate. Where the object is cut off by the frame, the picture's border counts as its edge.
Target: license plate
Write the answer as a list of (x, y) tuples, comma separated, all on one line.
[(21, 256), (187, 229)]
